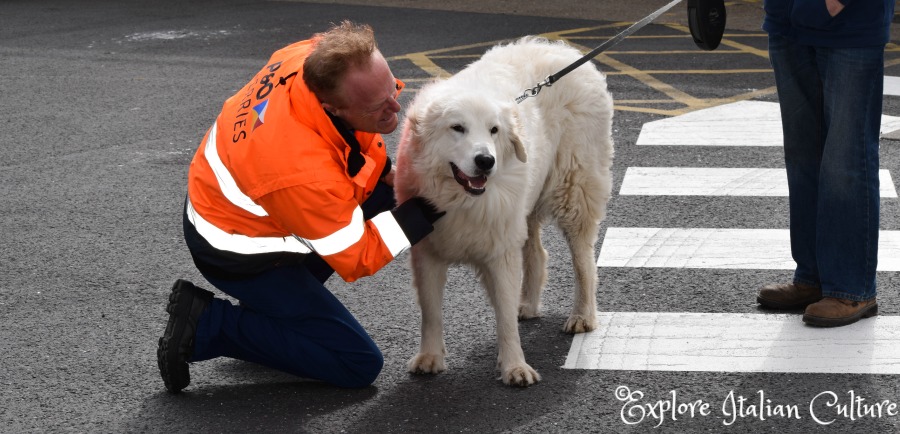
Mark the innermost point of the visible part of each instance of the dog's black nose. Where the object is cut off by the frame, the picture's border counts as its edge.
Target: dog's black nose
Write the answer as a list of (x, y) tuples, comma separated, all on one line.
[(484, 162)]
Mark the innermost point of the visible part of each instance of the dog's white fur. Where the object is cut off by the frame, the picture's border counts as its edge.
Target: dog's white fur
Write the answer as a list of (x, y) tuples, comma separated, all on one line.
[(552, 156)]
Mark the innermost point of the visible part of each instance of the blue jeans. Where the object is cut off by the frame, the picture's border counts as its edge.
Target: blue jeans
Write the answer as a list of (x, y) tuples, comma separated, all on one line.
[(830, 102), (288, 320)]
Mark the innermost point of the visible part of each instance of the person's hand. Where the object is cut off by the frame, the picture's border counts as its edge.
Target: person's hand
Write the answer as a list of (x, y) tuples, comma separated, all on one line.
[(409, 215), (389, 177), (834, 7), (431, 213)]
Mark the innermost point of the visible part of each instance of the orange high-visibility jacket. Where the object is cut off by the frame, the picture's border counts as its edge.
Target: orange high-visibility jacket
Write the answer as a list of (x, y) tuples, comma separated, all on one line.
[(270, 184)]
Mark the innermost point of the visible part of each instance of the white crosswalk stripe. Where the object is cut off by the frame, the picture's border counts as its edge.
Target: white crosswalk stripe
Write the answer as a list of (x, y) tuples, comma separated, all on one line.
[(705, 181), (744, 123), (758, 249), (726, 342), (891, 85)]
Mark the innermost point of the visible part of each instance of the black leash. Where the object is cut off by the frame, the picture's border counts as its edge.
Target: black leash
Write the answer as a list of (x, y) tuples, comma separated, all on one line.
[(603, 47)]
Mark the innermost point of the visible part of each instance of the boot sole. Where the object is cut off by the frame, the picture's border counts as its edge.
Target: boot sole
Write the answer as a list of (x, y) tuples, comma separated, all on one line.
[(786, 306), (817, 321), (172, 366)]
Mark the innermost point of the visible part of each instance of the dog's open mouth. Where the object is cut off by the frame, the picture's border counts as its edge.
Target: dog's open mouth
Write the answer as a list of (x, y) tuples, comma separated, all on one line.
[(474, 185)]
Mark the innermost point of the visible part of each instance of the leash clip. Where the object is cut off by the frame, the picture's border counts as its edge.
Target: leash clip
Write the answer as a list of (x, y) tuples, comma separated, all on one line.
[(535, 90)]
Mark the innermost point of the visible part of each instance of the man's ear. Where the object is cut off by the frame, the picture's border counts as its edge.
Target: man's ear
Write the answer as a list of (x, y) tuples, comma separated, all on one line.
[(329, 108)]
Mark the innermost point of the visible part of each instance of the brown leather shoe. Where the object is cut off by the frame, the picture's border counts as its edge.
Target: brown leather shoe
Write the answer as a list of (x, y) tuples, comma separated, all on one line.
[(788, 295), (834, 312)]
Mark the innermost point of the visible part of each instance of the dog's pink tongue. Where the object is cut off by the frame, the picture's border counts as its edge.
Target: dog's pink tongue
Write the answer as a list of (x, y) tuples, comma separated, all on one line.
[(477, 182)]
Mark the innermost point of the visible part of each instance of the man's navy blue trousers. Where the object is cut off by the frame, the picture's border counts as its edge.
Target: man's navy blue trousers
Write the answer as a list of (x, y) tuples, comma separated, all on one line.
[(288, 320)]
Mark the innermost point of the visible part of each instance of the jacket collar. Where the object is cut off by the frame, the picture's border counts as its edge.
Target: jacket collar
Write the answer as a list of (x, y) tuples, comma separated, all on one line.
[(355, 160)]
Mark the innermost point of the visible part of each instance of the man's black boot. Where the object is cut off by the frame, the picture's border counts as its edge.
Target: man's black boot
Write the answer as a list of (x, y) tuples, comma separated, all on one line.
[(186, 303)]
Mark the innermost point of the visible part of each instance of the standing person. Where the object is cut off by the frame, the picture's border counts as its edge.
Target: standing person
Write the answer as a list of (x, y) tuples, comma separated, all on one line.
[(291, 184), (828, 58)]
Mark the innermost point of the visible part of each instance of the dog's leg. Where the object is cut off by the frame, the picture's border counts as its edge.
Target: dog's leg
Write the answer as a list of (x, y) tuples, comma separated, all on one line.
[(501, 281), (429, 278), (535, 268), (582, 236)]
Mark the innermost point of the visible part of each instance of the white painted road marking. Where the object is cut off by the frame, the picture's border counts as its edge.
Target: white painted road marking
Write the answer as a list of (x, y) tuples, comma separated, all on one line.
[(891, 85), (761, 249), (704, 181), (742, 123), (730, 342)]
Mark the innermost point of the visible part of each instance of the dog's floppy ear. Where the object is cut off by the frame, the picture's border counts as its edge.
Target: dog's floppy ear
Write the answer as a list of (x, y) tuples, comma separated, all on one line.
[(419, 114), (414, 129), (421, 108), (514, 139), (412, 118)]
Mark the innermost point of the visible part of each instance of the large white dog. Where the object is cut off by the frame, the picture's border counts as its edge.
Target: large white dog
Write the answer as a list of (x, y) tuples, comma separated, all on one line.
[(500, 170)]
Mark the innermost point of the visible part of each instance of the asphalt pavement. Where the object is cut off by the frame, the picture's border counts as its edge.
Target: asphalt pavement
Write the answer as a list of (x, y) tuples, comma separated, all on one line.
[(104, 104)]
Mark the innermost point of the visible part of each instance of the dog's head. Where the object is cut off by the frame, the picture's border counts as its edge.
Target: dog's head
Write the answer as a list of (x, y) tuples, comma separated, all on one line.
[(464, 136)]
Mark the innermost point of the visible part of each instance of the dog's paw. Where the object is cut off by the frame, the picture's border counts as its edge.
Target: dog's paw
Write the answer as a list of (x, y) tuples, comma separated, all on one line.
[(521, 376), (527, 311), (425, 363), (580, 324)]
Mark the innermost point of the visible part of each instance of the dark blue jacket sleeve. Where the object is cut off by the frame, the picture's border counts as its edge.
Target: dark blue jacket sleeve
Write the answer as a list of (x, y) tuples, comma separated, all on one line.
[(860, 24)]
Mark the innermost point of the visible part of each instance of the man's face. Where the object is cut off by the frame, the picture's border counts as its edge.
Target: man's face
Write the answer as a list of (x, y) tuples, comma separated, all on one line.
[(367, 98)]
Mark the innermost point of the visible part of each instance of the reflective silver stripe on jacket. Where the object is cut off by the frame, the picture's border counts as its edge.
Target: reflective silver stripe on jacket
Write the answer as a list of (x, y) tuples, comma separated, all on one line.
[(391, 234), (241, 243), (226, 181)]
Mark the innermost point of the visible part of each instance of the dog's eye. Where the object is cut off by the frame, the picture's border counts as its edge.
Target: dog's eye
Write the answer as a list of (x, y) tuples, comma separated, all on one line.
[(494, 130), (458, 128)]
